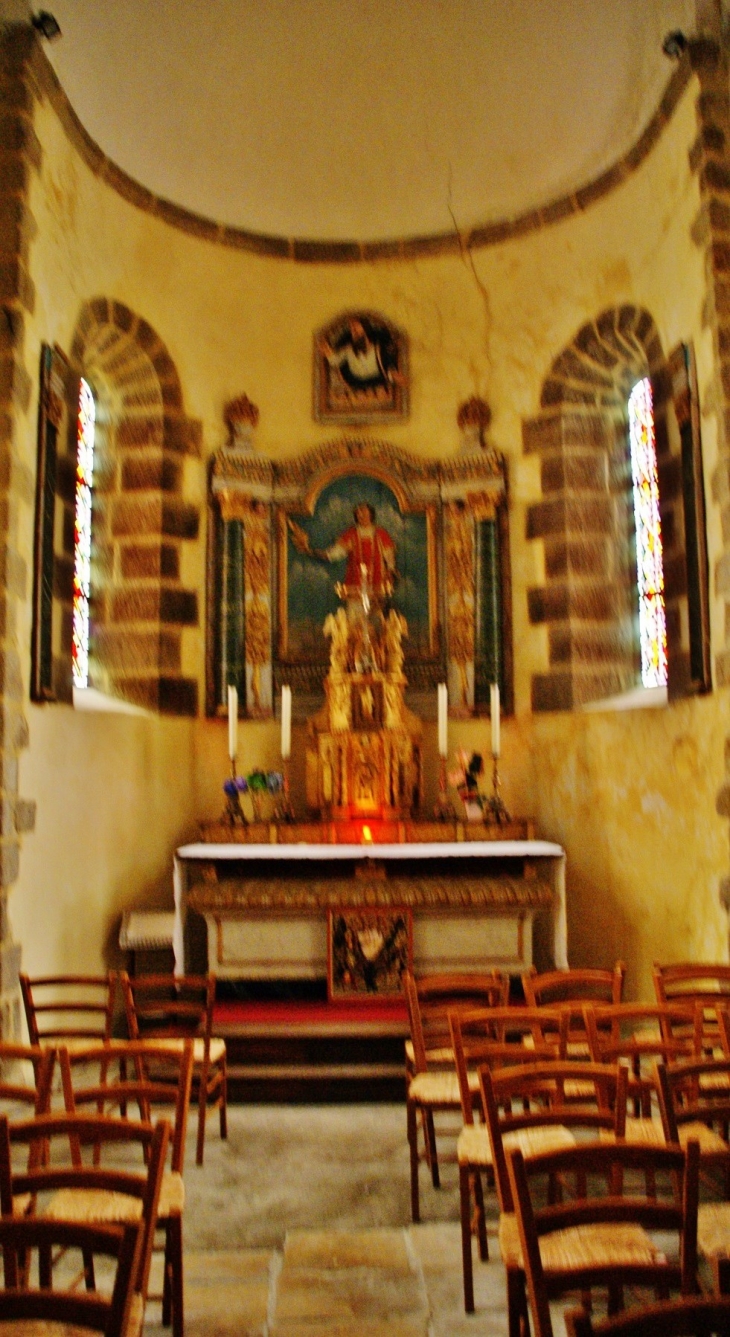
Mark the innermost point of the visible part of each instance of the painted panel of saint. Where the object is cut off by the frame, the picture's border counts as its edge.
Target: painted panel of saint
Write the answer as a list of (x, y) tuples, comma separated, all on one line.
[(356, 537)]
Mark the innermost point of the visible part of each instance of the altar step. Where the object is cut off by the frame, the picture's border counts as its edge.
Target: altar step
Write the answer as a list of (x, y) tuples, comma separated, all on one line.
[(303, 1053)]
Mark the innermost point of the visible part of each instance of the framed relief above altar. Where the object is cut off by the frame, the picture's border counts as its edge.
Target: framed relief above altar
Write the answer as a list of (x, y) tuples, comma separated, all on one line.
[(360, 370)]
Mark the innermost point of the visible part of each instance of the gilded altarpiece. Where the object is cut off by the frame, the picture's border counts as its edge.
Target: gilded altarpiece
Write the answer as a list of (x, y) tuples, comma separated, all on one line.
[(283, 555)]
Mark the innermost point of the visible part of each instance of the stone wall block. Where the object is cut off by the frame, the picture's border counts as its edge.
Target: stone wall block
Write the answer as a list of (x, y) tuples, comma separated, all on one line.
[(179, 606), (179, 519), (579, 645), (139, 432), (183, 434), (722, 668), (552, 691), (9, 861), (546, 517), (140, 561), (136, 651), (25, 815), (133, 515), (178, 696), (581, 557), (141, 604), (579, 472), (156, 472)]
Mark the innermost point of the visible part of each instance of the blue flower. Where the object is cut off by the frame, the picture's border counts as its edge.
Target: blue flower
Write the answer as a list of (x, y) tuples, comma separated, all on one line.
[(229, 788), (274, 782), (241, 784)]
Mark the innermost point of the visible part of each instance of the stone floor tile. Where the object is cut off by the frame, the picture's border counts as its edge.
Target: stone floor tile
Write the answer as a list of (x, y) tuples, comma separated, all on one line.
[(226, 1264), (379, 1327), (437, 1245), (246, 1300), (336, 1249), (354, 1293)]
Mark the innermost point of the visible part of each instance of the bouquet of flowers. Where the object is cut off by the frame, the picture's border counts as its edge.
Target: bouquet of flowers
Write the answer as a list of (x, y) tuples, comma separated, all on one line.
[(256, 785), (465, 778)]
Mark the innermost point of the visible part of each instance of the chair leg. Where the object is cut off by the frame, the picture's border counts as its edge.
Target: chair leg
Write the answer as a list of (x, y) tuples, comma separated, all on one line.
[(202, 1111), (430, 1137), (174, 1233), (412, 1130), (223, 1110), (479, 1217), (465, 1211), (518, 1322)]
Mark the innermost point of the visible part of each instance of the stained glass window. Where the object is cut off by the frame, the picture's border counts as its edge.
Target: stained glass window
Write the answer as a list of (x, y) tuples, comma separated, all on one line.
[(82, 535), (649, 564)]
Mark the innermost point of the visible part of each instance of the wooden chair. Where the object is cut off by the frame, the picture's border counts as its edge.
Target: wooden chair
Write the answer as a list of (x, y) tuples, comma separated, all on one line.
[(17, 1093), (147, 1078), (64, 1009), (501, 1036), (638, 1036), (704, 985), (530, 1107), (181, 1007), (73, 1191), (431, 1083), (602, 1238), (39, 1309), (689, 1316), (571, 989), (694, 1098)]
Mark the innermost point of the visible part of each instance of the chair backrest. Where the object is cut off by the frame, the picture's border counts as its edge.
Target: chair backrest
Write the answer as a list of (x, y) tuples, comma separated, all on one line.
[(607, 1181), (689, 1316), (52, 1169), (574, 986), (639, 1035), (704, 985), (431, 998), (698, 1090), (168, 1005), (501, 1037), (60, 1008), (541, 1095), (19, 1095), (137, 1077), (20, 1237)]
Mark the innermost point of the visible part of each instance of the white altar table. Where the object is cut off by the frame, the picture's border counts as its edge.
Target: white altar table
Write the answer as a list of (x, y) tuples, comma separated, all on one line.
[(473, 902)]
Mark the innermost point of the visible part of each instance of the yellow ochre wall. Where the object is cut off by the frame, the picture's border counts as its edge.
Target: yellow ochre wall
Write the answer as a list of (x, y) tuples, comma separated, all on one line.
[(630, 794)]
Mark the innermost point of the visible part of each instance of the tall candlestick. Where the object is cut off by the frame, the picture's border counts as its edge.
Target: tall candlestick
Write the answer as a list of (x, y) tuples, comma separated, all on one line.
[(232, 722), (494, 709), (442, 699), (285, 723)]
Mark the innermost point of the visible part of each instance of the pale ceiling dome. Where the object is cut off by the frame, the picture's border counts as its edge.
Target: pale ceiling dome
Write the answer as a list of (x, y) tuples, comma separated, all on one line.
[(364, 119)]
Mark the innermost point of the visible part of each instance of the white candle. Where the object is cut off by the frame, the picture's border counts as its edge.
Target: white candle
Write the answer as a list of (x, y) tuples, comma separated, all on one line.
[(442, 698), (232, 723), (285, 723), (494, 709)]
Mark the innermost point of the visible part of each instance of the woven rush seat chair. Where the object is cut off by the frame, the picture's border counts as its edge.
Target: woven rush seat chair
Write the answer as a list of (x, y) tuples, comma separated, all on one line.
[(639, 1036), (179, 1007), (496, 1037), (68, 1009), (147, 1079), (83, 1192), (689, 1316), (431, 1081), (527, 1107), (694, 1107), (600, 1235), (28, 1310), (702, 985), (571, 989)]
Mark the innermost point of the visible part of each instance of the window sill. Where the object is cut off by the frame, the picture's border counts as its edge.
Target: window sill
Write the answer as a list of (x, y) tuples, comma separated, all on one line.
[(88, 698), (639, 698)]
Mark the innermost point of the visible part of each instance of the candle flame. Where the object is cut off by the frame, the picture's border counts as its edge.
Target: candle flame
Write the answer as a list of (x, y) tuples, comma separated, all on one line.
[(367, 836)]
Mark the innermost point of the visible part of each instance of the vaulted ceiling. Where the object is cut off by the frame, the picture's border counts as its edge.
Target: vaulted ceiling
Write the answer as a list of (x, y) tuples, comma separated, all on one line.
[(364, 119)]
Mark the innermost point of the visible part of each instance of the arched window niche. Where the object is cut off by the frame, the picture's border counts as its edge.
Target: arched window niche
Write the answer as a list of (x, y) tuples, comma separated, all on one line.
[(139, 609), (585, 519)]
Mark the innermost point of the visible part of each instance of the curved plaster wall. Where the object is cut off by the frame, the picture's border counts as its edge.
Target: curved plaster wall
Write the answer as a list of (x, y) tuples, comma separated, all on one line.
[(632, 795)]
